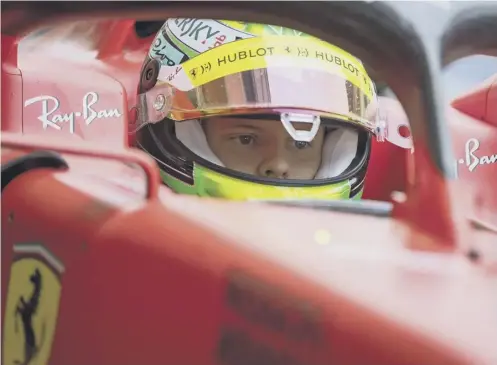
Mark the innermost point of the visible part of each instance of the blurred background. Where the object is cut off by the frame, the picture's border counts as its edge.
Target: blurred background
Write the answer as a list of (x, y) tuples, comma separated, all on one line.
[(430, 18)]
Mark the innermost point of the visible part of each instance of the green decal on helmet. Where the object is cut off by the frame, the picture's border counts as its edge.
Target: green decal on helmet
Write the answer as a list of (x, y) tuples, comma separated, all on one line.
[(209, 183)]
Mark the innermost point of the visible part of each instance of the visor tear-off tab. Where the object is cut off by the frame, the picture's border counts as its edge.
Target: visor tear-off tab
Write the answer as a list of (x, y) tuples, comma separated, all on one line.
[(301, 135)]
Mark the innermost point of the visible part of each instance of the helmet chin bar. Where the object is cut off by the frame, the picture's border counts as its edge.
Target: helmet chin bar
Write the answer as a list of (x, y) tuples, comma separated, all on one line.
[(301, 135)]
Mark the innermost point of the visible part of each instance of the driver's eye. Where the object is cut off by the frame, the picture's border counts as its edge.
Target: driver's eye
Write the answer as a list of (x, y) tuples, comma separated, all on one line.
[(246, 140), (301, 144)]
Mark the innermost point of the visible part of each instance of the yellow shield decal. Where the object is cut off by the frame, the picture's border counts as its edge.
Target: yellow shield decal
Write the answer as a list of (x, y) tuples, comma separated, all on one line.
[(31, 313)]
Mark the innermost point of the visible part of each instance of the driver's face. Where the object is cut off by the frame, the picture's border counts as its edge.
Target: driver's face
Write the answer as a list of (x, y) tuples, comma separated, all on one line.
[(263, 148)]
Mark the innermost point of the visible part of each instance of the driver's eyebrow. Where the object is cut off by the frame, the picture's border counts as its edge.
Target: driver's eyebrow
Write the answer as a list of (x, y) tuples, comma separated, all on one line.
[(246, 126)]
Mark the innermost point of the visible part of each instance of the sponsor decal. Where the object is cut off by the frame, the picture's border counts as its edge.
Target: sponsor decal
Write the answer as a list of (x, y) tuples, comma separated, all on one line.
[(273, 309), (257, 309), (89, 112), (32, 306), (239, 347), (163, 49), (472, 159), (256, 53), (204, 34)]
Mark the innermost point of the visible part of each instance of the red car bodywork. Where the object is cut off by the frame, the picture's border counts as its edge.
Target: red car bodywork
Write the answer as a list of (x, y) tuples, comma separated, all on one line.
[(151, 277)]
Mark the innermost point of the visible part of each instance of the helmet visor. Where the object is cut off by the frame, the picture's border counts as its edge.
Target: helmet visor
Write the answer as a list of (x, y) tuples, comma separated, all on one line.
[(261, 75)]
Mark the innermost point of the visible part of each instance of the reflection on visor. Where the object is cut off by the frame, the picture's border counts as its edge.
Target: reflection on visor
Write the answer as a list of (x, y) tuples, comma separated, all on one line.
[(263, 148), (261, 73), (273, 88)]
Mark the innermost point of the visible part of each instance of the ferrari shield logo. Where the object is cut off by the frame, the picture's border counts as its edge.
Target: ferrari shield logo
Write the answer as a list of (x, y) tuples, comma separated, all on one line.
[(31, 312)]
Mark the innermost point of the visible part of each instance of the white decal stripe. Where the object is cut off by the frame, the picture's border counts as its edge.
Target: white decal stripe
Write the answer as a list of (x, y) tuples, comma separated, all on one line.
[(202, 35), (43, 252)]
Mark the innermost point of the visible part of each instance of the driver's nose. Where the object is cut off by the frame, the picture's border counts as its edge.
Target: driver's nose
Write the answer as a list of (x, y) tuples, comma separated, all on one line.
[(276, 167)]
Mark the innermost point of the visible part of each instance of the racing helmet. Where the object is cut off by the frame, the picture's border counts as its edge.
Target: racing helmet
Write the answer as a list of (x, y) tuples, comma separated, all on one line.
[(249, 111)]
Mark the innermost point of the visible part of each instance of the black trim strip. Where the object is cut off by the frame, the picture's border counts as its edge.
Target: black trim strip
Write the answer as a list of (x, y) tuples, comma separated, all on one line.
[(34, 160), (363, 207)]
